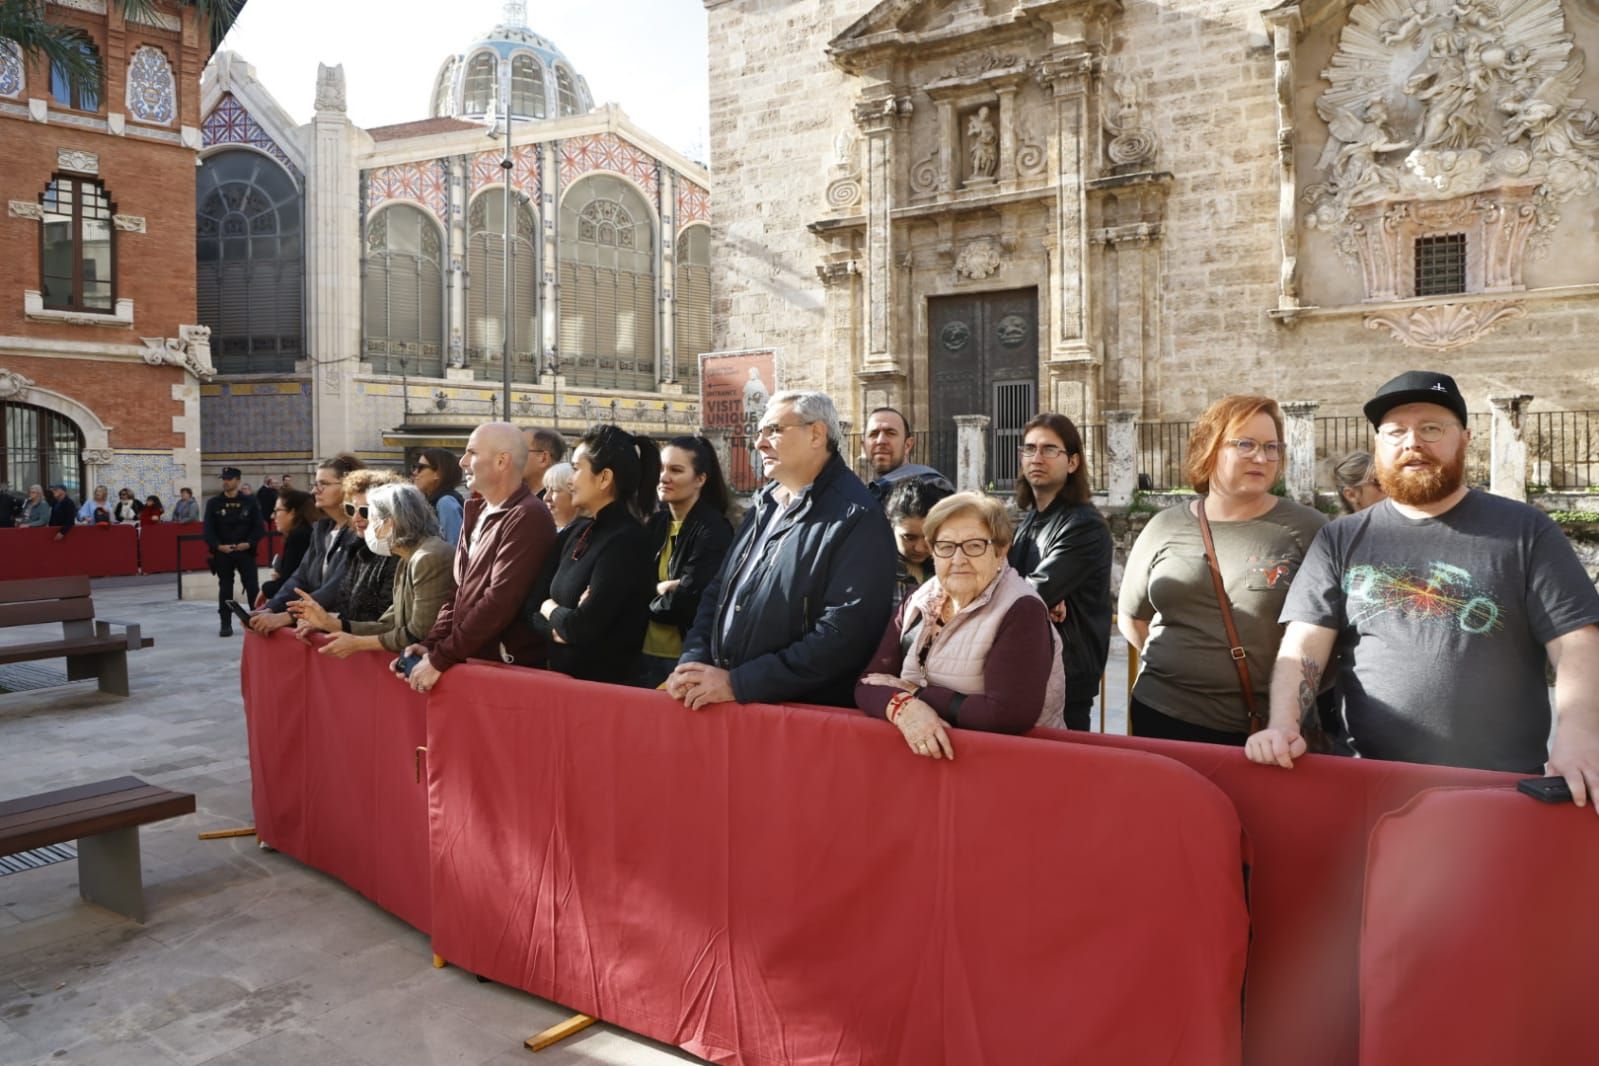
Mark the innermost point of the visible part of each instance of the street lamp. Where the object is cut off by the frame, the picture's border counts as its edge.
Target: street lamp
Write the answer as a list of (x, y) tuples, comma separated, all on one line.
[(507, 166)]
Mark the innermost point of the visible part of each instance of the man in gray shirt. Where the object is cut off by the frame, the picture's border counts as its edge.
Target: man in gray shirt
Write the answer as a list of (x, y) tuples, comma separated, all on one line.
[(1443, 605)]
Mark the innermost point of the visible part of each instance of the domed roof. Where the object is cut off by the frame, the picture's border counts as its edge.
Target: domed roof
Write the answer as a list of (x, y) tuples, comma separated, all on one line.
[(510, 60)]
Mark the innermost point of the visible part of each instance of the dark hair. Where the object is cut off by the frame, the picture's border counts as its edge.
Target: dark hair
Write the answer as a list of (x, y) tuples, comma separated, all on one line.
[(892, 411), (155, 501), (449, 467), (913, 498), (550, 441), (341, 464), (302, 505), (1077, 488), (715, 492), (633, 460)]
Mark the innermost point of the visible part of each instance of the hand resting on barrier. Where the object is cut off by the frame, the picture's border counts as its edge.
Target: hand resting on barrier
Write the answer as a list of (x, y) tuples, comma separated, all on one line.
[(698, 685)]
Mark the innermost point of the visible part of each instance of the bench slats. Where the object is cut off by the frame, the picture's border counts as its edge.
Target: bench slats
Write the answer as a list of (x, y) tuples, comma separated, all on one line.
[(60, 649), (67, 795), (50, 588), (87, 816), (40, 612)]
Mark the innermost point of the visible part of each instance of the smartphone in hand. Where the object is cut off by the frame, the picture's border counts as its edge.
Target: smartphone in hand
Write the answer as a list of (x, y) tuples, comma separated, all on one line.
[(406, 664), (239, 612), (1547, 789)]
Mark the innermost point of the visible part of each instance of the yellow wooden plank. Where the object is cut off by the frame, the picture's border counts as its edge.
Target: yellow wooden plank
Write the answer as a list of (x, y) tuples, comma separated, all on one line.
[(556, 1033)]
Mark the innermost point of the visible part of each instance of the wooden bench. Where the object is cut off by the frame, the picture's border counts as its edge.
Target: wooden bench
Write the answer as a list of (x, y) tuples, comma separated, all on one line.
[(87, 643), (104, 818)]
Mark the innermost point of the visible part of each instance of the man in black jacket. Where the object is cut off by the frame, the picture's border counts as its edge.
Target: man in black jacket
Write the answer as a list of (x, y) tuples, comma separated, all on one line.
[(232, 530), (805, 592), (63, 513)]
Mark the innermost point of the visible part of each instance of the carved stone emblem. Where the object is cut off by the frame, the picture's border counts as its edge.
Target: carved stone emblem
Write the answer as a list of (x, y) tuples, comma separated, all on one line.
[(1441, 327), (25, 209), (191, 349), (1011, 331), (1132, 142), (98, 456), (844, 192), (13, 385), (330, 87), (129, 223), (955, 336), (77, 162), (978, 260)]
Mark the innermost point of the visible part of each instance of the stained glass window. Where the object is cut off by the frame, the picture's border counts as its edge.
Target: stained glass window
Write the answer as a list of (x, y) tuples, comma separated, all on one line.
[(403, 293), (527, 87), (482, 74)]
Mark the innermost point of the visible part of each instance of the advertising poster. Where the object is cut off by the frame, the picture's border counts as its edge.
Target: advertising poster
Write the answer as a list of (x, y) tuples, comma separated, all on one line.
[(734, 388)]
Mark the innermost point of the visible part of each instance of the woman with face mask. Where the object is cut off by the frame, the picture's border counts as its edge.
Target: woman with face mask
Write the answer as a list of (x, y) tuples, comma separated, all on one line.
[(402, 524), (367, 588)]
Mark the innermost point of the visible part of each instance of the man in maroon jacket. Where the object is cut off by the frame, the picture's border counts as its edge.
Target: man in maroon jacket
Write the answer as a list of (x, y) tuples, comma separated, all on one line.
[(505, 538)]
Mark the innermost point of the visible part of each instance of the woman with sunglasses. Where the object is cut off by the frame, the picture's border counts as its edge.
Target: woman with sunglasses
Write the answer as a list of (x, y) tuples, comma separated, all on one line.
[(973, 646), (437, 472), (367, 588), (592, 603), (1190, 684)]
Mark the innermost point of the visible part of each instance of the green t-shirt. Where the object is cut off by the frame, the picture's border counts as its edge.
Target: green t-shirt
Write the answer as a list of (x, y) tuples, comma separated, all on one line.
[(663, 640), (1187, 671)]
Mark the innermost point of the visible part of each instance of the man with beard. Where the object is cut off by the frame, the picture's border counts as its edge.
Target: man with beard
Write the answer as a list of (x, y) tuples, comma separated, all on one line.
[(886, 448), (1442, 604)]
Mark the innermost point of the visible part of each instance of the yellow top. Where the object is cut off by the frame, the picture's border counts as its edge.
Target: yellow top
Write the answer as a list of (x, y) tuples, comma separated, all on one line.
[(664, 640)]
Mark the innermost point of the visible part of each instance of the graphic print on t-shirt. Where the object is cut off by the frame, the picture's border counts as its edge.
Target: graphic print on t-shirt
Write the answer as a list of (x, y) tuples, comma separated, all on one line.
[(1445, 595), (1266, 574)]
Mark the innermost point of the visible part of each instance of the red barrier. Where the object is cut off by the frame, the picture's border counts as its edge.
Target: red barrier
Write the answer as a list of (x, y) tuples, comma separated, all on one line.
[(92, 551), (1308, 829), (1502, 973), (785, 885), (158, 547), (333, 768)]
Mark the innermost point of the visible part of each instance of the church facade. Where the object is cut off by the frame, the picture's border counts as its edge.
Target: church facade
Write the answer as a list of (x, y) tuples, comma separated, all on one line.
[(1001, 206), (364, 286)]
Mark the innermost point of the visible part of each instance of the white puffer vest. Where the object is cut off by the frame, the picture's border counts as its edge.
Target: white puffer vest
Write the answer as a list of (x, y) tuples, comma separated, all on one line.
[(961, 648)]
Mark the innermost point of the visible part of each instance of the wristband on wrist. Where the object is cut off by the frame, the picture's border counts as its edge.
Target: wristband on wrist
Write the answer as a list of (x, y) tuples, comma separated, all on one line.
[(896, 703)]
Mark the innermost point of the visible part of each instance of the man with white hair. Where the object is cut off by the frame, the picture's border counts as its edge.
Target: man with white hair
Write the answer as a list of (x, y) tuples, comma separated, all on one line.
[(36, 511), (805, 592), (506, 535)]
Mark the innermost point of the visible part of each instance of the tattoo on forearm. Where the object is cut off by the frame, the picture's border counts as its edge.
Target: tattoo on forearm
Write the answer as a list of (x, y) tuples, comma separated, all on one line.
[(1309, 685)]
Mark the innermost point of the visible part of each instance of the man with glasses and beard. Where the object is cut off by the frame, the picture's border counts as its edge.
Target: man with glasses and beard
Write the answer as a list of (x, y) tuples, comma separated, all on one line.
[(1442, 604)]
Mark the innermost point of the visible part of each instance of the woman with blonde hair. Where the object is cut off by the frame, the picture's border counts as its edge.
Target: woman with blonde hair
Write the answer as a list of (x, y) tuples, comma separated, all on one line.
[(973, 646), (1356, 477), (1192, 684)]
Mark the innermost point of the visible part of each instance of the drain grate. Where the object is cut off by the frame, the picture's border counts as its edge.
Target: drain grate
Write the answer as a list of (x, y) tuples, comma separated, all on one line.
[(24, 677), (32, 860)]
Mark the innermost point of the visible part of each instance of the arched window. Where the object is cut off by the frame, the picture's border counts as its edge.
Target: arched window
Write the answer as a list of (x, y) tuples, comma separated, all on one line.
[(83, 95), (441, 92), (78, 267), (693, 294), (40, 447), (248, 243), (403, 296), (527, 87), (566, 90), (482, 74), (485, 310), (608, 304)]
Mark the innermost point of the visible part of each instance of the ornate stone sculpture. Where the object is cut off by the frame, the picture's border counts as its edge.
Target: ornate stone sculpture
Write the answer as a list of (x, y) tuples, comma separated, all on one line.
[(330, 87), (13, 385), (982, 144), (191, 350), (1441, 327), (1132, 142), (978, 260)]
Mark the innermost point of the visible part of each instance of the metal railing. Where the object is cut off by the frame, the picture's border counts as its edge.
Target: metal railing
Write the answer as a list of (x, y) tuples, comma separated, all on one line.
[(1162, 450), (1562, 449)]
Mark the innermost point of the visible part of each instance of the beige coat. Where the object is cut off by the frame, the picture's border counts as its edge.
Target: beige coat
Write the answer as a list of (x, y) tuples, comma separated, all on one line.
[(420, 589)]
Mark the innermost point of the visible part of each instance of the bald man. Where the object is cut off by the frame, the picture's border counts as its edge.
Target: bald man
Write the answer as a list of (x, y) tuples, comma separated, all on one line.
[(506, 536)]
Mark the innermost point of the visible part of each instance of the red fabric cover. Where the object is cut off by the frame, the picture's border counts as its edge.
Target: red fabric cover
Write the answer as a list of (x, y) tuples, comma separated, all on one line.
[(1307, 828), (785, 885), (93, 551), (332, 761), (158, 547), (1481, 939)]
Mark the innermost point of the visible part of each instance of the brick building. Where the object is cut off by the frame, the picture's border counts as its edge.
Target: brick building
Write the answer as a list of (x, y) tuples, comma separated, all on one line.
[(101, 354)]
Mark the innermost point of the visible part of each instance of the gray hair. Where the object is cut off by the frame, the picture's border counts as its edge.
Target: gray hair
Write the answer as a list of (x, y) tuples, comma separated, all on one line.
[(36, 488), (403, 503), (813, 407), (558, 478)]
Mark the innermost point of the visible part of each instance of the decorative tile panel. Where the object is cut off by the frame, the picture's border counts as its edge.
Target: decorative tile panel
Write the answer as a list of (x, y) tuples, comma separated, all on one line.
[(13, 79), (524, 174), (607, 151), (256, 418), (693, 203), (426, 182), (152, 94), (230, 123), (147, 473)]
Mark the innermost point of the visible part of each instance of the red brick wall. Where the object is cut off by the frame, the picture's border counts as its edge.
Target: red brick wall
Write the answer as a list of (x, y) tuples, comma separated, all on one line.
[(132, 398)]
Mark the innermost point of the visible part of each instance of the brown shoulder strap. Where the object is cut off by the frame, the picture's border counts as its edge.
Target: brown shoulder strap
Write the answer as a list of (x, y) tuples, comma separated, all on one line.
[(1235, 647)]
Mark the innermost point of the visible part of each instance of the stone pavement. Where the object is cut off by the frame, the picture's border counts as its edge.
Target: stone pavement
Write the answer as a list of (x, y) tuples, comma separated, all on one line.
[(248, 956)]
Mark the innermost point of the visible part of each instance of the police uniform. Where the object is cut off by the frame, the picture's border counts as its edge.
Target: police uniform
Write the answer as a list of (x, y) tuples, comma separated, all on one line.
[(233, 520)]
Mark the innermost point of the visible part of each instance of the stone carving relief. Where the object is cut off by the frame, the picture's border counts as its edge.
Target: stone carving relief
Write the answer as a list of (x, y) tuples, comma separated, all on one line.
[(191, 349), (25, 209), (982, 146), (978, 260), (971, 66), (13, 385), (1032, 158), (98, 456), (152, 94), (844, 187), (1441, 327), (129, 223), (1437, 99), (13, 75), (330, 87), (924, 174), (1131, 145), (77, 162)]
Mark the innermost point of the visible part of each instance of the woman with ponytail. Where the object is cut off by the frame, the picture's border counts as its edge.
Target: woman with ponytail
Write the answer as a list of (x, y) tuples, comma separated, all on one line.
[(592, 603)]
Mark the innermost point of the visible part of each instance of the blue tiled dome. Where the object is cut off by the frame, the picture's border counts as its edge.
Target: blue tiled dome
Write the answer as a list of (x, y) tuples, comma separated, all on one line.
[(511, 60)]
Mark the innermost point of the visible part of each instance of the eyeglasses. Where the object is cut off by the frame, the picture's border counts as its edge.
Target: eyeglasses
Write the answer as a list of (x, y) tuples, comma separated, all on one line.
[(419, 467), (1248, 446), (351, 510), (775, 429), (1427, 432), (1048, 451), (972, 549)]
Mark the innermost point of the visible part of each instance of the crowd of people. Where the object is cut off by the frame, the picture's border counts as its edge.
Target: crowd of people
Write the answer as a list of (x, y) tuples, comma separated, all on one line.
[(1417, 626)]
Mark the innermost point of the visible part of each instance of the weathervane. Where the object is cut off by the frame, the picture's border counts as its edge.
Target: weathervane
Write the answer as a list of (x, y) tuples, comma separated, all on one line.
[(514, 14)]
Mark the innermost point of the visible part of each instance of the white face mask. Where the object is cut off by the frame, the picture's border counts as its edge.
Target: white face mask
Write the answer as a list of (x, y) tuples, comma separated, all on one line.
[(375, 544)]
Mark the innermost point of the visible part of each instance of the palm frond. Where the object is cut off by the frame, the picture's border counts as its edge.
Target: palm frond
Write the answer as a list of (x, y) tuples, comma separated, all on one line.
[(23, 22)]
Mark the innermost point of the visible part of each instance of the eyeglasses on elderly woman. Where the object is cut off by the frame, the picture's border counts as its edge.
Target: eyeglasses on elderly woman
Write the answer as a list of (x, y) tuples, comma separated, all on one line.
[(972, 549), (1248, 446)]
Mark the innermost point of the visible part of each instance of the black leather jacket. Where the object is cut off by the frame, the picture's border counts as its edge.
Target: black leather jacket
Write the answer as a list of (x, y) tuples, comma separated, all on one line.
[(701, 545), (810, 615), (1065, 551)]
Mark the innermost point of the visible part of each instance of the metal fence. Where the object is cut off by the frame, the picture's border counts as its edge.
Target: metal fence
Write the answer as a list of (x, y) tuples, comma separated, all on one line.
[(1562, 449), (1162, 450)]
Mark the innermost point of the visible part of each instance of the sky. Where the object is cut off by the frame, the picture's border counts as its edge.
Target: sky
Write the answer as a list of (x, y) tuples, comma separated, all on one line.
[(646, 55)]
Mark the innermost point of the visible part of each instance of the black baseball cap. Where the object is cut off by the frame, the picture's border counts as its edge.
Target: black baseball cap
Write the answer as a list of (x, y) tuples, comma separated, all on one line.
[(1416, 386), (230, 472)]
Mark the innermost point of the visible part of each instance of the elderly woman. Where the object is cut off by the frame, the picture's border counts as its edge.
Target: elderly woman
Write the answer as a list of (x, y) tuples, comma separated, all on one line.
[(973, 647), (127, 507), (1357, 482), (558, 496), (36, 511), (1189, 685), (437, 472), (402, 524), (367, 587), (96, 511)]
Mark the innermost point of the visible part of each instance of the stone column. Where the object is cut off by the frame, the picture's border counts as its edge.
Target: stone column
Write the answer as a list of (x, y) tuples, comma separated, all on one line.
[(971, 452), (1508, 462), (1007, 136), (549, 331), (459, 170), (332, 259), (666, 284), (1121, 457), (1299, 418), (877, 114), (1068, 73)]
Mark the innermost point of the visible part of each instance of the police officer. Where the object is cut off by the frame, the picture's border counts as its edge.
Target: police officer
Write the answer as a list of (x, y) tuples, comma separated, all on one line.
[(232, 529)]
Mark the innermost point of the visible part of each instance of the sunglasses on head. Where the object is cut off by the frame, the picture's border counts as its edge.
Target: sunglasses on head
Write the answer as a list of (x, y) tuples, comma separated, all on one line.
[(351, 510)]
